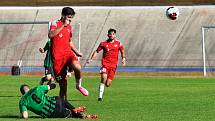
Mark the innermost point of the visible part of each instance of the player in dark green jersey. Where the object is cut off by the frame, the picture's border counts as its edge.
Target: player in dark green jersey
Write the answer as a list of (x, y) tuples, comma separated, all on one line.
[(37, 101), (47, 63)]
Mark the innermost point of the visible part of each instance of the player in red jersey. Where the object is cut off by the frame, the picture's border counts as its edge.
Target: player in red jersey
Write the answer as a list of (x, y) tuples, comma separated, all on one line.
[(64, 53), (111, 48)]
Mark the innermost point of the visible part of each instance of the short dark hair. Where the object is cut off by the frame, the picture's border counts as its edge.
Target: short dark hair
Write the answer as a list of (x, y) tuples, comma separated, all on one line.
[(111, 30), (68, 11), (22, 88)]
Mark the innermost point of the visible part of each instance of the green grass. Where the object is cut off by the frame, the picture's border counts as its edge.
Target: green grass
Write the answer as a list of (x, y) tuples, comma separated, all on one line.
[(128, 99)]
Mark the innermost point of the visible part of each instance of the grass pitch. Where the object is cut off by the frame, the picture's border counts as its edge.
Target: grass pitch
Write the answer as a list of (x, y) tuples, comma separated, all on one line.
[(128, 99)]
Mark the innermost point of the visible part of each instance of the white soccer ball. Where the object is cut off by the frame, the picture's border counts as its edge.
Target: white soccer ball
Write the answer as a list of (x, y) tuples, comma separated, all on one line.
[(172, 13)]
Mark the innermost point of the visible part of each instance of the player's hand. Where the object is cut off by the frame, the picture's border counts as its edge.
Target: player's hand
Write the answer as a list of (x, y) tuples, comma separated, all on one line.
[(41, 50), (66, 21), (123, 61)]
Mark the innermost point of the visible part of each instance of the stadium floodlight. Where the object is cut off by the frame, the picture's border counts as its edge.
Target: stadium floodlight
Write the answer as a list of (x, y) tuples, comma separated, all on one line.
[(203, 29)]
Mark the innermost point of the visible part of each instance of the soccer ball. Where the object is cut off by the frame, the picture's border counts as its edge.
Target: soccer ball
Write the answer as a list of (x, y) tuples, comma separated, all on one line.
[(172, 13)]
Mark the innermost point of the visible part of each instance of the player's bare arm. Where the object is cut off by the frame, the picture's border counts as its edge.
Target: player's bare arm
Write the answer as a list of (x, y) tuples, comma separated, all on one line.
[(53, 33), (93, 56), (122, 51), (66, 21), (75, 50)]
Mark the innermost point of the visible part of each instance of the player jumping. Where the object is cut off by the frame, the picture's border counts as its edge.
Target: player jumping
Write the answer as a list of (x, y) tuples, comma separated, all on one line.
[(62, 56)]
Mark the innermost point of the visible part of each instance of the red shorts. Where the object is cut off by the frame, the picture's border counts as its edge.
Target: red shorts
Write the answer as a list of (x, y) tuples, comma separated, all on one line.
[(60, 65), (109, 71)]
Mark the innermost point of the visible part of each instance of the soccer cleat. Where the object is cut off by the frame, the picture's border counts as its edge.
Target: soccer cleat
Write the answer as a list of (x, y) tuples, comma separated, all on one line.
[(90, 116), (79, 109), (99, 99), (83, 91), (51, 81), (43, 79), (68, 74)]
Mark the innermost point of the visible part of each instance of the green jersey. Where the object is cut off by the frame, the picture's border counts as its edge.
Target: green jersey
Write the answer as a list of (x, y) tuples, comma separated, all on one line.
[(37, 101), (48, 60)]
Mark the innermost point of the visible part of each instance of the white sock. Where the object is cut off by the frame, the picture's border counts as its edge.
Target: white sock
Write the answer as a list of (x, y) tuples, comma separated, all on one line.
[(101, 90), (78, 83)]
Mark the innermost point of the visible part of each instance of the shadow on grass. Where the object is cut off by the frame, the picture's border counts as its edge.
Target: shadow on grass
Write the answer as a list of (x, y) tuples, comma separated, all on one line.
[(15, 116)]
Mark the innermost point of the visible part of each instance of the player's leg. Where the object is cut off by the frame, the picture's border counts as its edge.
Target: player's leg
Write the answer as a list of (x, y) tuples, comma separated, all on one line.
[(110, 77), (77, 71), (69, 71), (75, 112), (103, 73), (60, 111), (50, 76), (63, 83), (63, 89), (59, 69), (44, 78), (63, 110), (78, 75), (108, 83), (74, 109)]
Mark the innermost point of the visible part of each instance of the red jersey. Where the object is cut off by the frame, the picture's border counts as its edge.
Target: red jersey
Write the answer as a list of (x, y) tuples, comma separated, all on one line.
[(61, 42), (110, 52)]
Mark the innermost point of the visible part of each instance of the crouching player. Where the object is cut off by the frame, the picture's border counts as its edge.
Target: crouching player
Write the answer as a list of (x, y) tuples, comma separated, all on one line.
[(37, 101)]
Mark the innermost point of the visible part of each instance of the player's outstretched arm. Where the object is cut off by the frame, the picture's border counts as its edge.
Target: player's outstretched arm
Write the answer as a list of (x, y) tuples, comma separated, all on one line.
[(93, 56), (95, 53)]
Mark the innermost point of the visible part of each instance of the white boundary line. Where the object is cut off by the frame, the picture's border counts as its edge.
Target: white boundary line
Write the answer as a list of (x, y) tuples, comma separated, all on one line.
[(101, 7)]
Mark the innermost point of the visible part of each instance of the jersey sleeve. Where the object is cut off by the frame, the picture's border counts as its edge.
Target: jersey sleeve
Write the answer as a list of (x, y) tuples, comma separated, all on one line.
[(22, 106), (47, 46), (99, 47), (121, 46), (53, 26)]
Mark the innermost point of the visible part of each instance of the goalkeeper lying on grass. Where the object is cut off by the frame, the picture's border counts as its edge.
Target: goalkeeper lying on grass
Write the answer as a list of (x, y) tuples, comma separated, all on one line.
[(37, 101)]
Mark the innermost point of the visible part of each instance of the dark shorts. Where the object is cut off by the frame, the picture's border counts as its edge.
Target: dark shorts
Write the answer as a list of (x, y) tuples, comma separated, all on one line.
[(63, 109)]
